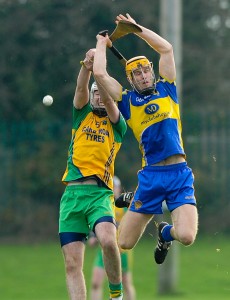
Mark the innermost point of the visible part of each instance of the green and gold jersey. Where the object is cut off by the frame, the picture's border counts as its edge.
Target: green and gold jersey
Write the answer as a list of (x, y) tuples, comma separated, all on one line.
[(94, 146)]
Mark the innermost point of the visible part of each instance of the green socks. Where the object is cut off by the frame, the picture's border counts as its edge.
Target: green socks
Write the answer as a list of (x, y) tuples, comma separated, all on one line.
[(115, 290)]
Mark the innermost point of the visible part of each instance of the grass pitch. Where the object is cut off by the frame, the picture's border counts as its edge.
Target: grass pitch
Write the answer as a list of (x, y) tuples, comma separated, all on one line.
[(36, 272)]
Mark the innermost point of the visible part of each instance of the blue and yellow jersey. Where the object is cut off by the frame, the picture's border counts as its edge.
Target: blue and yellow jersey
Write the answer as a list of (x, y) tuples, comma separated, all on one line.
[(94, 146), (155, 121)]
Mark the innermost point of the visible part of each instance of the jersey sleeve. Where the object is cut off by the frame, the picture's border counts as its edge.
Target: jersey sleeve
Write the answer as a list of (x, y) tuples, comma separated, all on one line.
[(170, 87), (120, 129), (124, 104), (80, 114)]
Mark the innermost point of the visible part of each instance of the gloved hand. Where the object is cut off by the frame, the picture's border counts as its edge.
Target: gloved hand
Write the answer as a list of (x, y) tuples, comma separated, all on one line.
[(124, 199)]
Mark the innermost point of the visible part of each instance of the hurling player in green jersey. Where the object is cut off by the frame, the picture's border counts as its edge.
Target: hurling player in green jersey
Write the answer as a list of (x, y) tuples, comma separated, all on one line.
[(87, 203)]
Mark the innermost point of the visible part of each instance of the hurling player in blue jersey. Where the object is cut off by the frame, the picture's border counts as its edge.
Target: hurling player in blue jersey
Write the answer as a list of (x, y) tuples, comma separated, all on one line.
[(151, 110)]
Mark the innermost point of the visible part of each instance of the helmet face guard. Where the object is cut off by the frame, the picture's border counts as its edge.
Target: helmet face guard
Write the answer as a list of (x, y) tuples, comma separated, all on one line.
[(97, 110), (92, 90), (137, 64)]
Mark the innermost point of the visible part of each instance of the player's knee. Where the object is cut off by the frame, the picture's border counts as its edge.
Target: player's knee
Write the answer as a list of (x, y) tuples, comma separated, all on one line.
[(70, 266), (109, 245), (125, 244), (187, 239)]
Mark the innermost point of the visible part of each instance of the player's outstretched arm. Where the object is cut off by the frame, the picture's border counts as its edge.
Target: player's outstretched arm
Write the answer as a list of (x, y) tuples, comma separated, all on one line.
[(101, 75), (81, 96), (159, 44), (110, 106)]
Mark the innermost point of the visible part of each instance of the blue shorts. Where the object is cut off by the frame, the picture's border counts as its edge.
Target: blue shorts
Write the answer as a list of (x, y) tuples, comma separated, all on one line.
[(172, 183)]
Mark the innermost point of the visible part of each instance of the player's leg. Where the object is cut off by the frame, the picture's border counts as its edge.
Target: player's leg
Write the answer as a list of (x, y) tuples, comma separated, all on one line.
[(97, 283), (101, 220), (185, 224), (131, 228), (182, 204), (127, 278), (129, 290), (98, 276), (106, 234), (147, 202), (72, 232), (74, 256)]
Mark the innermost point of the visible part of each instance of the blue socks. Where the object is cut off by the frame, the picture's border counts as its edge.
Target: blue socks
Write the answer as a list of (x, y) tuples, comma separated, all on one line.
[(166, 233)]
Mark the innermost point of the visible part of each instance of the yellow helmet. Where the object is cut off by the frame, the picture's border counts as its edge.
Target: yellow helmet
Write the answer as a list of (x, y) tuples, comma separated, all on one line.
[(135, 63)]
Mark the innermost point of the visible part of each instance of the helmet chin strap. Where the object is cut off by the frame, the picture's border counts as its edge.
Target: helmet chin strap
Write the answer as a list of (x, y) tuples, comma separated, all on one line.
[(100, 111), (147, 91)]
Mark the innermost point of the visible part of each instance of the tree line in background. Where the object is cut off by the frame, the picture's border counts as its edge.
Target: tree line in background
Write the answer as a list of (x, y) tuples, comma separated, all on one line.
[(42, 45)]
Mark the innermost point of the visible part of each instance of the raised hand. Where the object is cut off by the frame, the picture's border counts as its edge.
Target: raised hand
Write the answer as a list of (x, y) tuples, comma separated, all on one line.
[(89, 58), (127, 17)]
